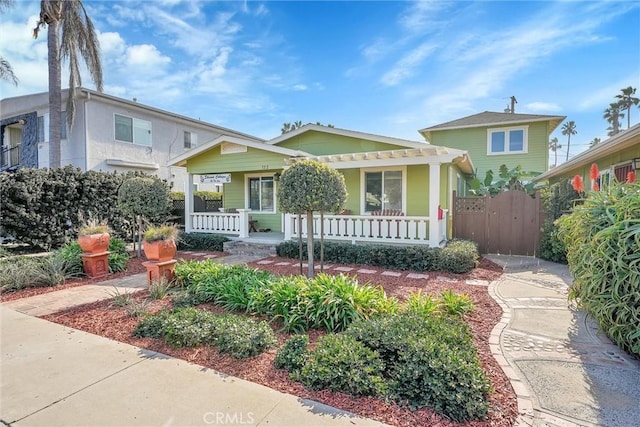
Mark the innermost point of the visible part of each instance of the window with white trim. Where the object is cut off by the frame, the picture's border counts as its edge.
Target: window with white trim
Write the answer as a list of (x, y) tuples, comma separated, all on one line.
[(507, 140), (383, 190), (262, 195), (128, 129), (190, 139), (604, 180)]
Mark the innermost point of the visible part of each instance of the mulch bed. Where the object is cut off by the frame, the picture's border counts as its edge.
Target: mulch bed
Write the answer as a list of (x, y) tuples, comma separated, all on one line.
[(102, 319), (134, 266)]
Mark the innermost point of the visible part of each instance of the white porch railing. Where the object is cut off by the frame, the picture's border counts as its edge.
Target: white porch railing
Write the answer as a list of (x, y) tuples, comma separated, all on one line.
[(220, 222), (365, 228)]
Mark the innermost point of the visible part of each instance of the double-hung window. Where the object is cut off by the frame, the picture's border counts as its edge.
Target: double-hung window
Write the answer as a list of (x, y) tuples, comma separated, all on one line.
[(190, 139), (383, 190), (262, 195), (507, 140), (136, 131)]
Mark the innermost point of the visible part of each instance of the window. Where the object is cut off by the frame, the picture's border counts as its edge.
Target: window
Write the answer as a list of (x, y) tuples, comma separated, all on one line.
[(190, 139), (262, 194), (40, 126), (604, 181), (383, 190), (132, 130), (507, 141), (621, 172)]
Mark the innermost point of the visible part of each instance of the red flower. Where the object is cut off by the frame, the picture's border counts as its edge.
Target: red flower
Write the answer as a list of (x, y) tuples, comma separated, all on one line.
[(577, 183), (631, 177), (596, 187), (595, 173)]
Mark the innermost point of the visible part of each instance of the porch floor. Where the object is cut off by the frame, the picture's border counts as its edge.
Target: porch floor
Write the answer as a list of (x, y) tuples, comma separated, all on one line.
[(273, 237)]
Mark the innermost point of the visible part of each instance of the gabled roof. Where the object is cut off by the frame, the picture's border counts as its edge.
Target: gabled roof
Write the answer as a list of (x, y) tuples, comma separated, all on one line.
[(349, 133), (618, 142), (490, 118), (181, 160)]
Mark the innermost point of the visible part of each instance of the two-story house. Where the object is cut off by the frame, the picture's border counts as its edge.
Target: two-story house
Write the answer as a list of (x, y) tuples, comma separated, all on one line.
[(493, 139), (108, 134)]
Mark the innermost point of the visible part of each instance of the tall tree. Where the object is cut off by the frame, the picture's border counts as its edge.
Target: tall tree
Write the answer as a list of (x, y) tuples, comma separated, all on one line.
[(569, 129), (594, 142), (612, 115), (6, 71), (70, 36), (626, 100), (554, 146)]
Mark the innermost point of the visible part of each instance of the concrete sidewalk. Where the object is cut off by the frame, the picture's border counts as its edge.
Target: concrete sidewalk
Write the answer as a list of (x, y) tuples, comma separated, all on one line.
[(564, 370)]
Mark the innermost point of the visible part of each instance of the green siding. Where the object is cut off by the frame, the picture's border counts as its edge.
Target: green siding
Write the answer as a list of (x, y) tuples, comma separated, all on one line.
[(319, 144), (417, 190), (213, 161), (474, 140), (352, 182), (621, 157)]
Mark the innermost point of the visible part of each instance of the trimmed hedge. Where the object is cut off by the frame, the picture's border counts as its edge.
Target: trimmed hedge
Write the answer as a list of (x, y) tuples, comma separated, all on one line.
[(201, 242), (45, 207), (458, 256)]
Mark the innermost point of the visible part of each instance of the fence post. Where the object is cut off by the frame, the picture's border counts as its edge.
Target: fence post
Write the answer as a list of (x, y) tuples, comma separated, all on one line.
[(287, 227), (244, 223), (188, 204)]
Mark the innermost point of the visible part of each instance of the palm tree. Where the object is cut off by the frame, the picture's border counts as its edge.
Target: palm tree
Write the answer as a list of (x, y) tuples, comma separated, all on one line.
[(612, 115), (554, 146), (594, 142), (627, 100), (569, 129), (70, 35), (6, 71)]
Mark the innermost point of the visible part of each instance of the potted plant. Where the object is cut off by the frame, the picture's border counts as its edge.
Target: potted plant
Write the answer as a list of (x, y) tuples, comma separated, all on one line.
[(94, 237), (160, 242)]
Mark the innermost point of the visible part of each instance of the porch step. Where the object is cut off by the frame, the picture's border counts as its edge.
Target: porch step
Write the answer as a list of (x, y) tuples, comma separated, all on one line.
[(237, 247)]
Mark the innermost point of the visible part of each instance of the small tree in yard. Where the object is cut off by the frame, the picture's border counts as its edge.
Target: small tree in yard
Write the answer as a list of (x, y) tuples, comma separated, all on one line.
[(310, 186), (144, 198)]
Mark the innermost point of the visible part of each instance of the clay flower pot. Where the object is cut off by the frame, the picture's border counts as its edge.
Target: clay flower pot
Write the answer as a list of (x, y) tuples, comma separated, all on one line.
[(159, 250), (94, 243)]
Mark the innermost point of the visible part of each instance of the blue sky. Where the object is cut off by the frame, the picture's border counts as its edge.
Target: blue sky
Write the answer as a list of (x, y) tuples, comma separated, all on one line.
[(389, 68)]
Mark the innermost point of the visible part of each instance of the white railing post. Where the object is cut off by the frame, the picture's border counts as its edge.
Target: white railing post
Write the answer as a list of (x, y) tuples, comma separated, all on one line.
[(287, 227), (188, 203), (244, 223), (434, 201)]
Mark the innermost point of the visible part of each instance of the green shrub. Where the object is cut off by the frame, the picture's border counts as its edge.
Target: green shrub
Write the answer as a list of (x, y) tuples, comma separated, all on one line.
[(294, 355), (603, 241), (282, 299), (59, 198), (458, 256), (201, 242), (429, 373), (159, 288), (559, 199), (437, 367), (118, 257), (419, 304), (340, 363), (71, 253), (26, 272), (189, 327), (455, 304)]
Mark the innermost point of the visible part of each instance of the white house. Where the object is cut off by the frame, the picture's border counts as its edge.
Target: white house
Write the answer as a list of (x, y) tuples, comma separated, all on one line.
[(108, 134)]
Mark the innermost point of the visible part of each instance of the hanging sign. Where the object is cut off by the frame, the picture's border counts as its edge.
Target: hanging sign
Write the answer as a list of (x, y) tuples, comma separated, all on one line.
[(217, 178)]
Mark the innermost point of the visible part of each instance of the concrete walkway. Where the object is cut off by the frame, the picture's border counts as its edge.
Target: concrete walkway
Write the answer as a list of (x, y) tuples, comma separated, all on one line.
[(57, 376), (564, 370)]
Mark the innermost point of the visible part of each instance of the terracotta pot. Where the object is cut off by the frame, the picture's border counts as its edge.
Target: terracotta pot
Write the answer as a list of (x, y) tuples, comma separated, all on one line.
[(160, 250), (94, 243)]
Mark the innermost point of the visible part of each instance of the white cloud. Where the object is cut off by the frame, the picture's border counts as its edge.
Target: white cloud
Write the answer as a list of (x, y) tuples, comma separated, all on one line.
[(602, 96), (145, 55), (111, 43), (300, 87), (405, 68), (539, 106), (421, 16)]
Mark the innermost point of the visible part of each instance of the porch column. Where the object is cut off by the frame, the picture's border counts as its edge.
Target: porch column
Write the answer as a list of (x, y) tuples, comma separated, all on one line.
[(434, 201), (244, 223), (287, 227), (188, 203)]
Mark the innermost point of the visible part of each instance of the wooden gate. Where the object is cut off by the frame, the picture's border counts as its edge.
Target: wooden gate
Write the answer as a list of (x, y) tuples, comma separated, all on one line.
[(509, 223)]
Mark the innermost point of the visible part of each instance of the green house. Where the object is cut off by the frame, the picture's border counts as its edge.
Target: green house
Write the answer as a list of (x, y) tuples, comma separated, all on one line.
[(398, 190), (615, 158), (493, 139)]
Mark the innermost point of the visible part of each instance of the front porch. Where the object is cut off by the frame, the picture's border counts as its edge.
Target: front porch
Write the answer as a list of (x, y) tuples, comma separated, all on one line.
[(408, 230)]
